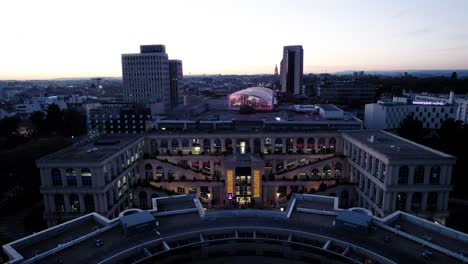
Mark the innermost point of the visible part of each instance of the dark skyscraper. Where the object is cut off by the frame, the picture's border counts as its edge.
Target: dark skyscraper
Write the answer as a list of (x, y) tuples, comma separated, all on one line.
[(175, 76), (292, 70)]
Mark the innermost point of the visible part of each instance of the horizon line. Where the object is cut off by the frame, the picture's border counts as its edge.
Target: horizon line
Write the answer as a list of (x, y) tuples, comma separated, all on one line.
[(235, 74)]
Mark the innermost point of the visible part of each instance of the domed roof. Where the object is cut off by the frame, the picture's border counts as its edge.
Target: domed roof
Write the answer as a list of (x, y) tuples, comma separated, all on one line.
[(260, 92)]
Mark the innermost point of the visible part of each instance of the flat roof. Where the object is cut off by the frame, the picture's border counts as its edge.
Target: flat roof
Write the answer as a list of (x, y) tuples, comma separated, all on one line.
[(92, 151), (195, 227), (329, 107), (395, 147), (273, 116), (137, 219)]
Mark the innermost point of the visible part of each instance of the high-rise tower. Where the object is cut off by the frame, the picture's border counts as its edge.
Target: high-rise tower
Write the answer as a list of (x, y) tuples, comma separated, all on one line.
[(292, 70), (149, 78)]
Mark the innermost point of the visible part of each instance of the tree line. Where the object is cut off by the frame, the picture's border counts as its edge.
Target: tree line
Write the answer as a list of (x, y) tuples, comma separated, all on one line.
[(451, 138)]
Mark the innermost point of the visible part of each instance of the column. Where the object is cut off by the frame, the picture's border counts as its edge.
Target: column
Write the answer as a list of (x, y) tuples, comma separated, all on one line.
[(179, 141), (409, 198), (82, 203), (190, 143), (294, 149), (424, 201), (387, 201), (251, 143), (411, 175), (284, 145), (262, 145), (234, 146), (212, 150), (202, 145), (440, 201), (66, 199), (445, 201), (211, 167), (223, 145), (427, 171)]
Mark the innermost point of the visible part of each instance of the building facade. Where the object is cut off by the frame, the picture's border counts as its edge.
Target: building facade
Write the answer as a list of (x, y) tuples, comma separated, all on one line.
[(393, 173), (389, 115), (150, 77), (176, 76), (346, 92), (292, 70), (96, 176), (230, 169), (460, 102), (113, 118)]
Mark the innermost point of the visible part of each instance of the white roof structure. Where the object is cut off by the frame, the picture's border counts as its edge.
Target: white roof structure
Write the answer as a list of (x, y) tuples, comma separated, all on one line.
[(260, 92)]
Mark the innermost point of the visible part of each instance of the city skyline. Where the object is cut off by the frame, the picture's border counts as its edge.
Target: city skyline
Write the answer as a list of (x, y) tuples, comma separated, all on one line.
[(232, 37)]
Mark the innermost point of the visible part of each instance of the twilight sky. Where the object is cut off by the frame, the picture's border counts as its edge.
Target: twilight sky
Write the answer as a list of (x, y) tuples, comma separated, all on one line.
[(48, 39)]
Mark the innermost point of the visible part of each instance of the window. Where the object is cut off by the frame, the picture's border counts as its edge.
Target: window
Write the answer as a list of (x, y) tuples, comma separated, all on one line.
[(74, 203), (419, 175), (59, 203), (326, 172), (181, 190), (403, 175), (89, 203), (86, 177), (432, 201), (56, 177), (71, 177), (435, 175)]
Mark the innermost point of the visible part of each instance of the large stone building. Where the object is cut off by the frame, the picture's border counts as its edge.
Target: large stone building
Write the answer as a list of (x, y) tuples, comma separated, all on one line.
[(150, 77), (231, 169)]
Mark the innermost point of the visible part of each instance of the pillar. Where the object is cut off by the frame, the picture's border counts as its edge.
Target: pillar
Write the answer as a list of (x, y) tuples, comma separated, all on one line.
[(409, 198)]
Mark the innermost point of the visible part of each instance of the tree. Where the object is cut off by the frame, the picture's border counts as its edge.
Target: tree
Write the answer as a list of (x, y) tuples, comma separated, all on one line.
[(452, 137), (453, 76), (54, 119), (9, 126), (38, 120), (74, 123), (411, 128)]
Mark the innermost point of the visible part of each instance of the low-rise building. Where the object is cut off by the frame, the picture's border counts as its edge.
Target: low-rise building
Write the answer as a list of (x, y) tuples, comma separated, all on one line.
[(390, 114)]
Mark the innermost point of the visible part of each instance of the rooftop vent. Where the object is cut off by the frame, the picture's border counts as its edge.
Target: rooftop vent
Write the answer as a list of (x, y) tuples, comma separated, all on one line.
[(372, 139)]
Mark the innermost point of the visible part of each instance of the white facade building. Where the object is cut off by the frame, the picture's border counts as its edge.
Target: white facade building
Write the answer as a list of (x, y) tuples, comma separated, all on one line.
[(389, 115), (460, 102)]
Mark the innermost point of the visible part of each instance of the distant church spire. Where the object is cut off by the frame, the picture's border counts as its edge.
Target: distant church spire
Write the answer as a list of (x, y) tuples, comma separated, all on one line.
[(276, 69)]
